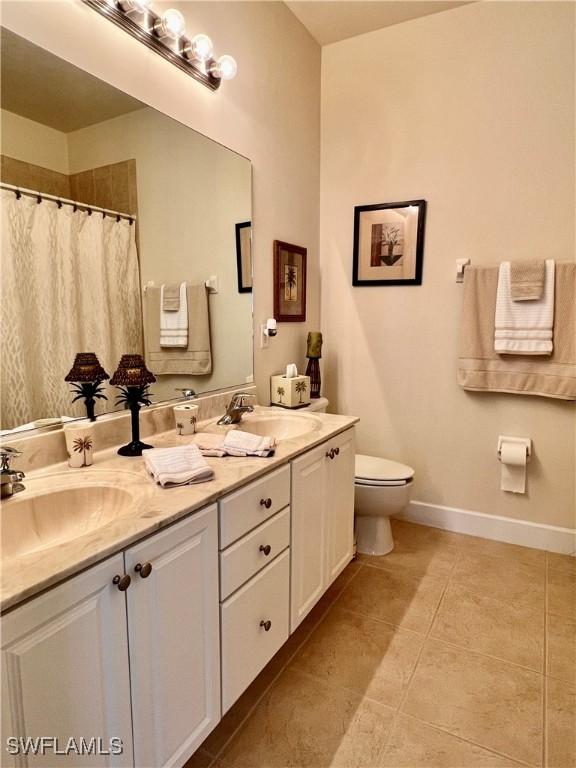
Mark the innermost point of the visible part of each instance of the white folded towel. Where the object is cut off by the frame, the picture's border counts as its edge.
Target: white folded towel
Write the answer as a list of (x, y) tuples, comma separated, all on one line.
[(177, 466), (236, 443), (174, 325), (526, 327)]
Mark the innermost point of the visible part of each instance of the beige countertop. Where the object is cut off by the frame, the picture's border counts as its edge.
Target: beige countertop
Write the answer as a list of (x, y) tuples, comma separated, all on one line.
[(153, 508)]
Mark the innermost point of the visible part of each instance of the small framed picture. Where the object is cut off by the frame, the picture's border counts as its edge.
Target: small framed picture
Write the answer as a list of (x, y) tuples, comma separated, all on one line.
[(289, 282), (389, 243), (244, 256)]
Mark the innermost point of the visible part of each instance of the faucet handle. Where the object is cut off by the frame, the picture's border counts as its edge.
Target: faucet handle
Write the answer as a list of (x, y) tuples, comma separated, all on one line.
[(188, 393), (239, 398), (7, 453)]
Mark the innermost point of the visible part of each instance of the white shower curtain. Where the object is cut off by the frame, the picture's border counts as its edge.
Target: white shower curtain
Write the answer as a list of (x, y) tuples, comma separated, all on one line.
[(69, 283)]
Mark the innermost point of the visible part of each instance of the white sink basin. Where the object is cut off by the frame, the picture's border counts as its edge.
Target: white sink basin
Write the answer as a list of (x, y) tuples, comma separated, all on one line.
[(59, 508), (282, 426)]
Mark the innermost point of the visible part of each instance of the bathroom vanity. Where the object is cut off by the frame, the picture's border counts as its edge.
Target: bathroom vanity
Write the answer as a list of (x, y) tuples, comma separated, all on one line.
[(150, 627)]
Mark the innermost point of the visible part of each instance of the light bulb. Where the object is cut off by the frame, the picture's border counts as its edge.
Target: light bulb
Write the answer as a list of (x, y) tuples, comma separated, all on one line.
[(171, 24), (225, 68), (141, 6), (199, 48)]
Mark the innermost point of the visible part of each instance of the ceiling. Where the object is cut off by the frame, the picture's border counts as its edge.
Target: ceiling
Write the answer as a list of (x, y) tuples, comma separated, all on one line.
[(329, 21), (42, 87)]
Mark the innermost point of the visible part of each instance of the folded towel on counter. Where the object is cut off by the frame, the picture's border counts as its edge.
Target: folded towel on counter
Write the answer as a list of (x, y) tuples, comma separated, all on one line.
[(193, 360), (174, 325), (527, 279), (236, 443), (171, 297), (183, 465), (481, 369), (524, 328)]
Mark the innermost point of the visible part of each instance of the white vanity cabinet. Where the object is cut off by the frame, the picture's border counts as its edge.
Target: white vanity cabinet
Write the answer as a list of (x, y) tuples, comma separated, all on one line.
[(65, 669), (322, 507), (174, 637)]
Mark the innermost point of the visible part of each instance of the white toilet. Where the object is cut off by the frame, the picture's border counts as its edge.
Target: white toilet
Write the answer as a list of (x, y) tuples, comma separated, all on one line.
[(382, 488)]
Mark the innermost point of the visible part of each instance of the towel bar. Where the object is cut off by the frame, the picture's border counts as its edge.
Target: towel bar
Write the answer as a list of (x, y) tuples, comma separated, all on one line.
[(211, 284), (461, 264)]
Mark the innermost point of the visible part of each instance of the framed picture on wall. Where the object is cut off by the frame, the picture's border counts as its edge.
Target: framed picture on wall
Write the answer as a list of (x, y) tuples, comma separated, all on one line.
[(244, 256), (389, 243), (289, 282)]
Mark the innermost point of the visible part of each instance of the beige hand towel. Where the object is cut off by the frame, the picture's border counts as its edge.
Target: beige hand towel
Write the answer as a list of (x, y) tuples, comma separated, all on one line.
[(174, 325), (194, 360), (527, 279), (171, 297), (480, 368)]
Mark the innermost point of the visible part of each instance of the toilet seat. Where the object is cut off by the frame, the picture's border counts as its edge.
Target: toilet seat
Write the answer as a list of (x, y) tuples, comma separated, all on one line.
[(376, 471)]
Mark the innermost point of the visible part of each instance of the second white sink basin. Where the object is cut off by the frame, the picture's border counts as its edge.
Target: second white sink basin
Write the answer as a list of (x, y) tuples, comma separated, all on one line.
[(282, 426), (58, 508)]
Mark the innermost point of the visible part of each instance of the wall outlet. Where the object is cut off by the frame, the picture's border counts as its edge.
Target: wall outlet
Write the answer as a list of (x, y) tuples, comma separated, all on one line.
[(264, 338)]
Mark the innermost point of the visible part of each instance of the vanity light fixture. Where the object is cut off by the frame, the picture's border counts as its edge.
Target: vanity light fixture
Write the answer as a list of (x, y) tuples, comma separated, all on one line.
[(164, 33)]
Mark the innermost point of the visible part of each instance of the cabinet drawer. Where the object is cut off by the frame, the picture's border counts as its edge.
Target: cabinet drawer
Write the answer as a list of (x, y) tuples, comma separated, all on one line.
[(246, 646), (250, 506), (253, 552)]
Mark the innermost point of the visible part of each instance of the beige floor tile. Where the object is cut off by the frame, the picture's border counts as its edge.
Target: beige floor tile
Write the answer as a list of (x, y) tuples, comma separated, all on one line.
[(561, 647), (565, 563), (399, 598), (416, 745), (562, 593), (422, 556), (363, 655), (302, 722), (489, 702), (501, 578), (491, 548), (499, 628), (560, 724)]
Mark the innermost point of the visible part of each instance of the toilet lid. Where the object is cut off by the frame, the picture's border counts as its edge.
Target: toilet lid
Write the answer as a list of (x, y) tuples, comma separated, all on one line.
[(378, 469)]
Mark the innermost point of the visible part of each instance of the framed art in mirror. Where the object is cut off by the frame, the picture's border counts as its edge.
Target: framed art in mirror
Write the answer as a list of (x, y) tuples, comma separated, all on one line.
[(289, 282), (389, 243), (244, 256)]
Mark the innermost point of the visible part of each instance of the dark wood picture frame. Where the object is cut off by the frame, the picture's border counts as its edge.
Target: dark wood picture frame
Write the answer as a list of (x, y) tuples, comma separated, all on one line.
[(285, 256), (419, 249), (243, 287)]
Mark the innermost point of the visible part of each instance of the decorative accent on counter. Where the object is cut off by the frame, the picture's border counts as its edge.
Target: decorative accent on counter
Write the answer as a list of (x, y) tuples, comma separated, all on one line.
[(86, 376), (314, 353), (132, 378), (186, 417), (79, 438), (290, 392), (289, 282), (389, 243)]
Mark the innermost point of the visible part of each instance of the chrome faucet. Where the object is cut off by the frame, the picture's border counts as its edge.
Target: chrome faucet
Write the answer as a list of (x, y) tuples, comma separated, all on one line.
[(10, 479), (236, 407)]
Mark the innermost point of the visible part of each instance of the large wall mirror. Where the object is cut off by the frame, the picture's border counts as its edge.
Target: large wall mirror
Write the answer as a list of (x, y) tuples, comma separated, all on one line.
[(114, 216)]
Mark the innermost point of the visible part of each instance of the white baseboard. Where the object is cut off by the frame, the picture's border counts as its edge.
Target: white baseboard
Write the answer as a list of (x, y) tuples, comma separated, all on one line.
[(536, 535)]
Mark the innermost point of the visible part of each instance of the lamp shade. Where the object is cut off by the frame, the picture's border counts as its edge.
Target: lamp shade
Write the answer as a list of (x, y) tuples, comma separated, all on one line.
[(132, 372), (314, 344), (86, 368)]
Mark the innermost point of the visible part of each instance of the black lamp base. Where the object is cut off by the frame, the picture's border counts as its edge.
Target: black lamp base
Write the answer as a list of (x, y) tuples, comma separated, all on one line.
[(134, 448)]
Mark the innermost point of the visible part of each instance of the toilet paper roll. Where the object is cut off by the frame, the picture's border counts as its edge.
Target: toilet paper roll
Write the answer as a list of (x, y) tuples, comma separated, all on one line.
[(186, 417), (513, 457)]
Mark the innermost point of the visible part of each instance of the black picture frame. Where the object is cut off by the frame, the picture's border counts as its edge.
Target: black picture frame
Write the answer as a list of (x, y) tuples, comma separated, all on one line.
[(416, 279), (243, 287)]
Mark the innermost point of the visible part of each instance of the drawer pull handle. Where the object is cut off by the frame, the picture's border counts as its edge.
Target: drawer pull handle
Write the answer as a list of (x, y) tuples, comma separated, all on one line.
[(266, 625), (122, 582), (266, 549), (144, 569), (330, 454), (336, 451), (266, 503)]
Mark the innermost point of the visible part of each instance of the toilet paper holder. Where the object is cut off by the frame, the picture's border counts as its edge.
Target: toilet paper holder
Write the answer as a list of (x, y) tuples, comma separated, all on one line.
[(526, 441)]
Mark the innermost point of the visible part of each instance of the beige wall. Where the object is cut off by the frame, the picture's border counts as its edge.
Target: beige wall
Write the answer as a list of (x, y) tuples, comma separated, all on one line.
[(269, 113), (473, 110), (32, 142)]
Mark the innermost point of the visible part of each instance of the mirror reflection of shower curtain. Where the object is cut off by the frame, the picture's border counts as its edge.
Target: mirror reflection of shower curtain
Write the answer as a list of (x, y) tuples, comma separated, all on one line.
[(69, 283)]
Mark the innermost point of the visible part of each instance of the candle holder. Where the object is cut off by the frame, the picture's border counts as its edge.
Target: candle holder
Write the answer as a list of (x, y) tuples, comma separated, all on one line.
[(314, 353), (86, 377), (132, 379)]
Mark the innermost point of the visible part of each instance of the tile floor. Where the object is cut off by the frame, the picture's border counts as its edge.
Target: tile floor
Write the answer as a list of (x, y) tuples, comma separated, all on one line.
[(450, 652)]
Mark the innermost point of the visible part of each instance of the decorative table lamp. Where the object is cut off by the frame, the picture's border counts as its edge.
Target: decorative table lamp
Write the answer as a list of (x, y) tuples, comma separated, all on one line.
[(86, 376), (132, 379), (314, 353)]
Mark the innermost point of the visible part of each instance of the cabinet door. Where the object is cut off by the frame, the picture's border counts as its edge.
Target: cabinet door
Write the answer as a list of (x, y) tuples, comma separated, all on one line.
[(65, 670), (340, 505), (307, 548), (174, 639)]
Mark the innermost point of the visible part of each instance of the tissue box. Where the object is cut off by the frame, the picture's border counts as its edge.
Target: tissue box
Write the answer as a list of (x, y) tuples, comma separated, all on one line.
[(290, 393)]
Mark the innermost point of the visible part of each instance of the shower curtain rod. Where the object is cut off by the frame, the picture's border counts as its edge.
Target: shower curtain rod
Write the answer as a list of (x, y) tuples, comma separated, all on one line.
[(19, 191)]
